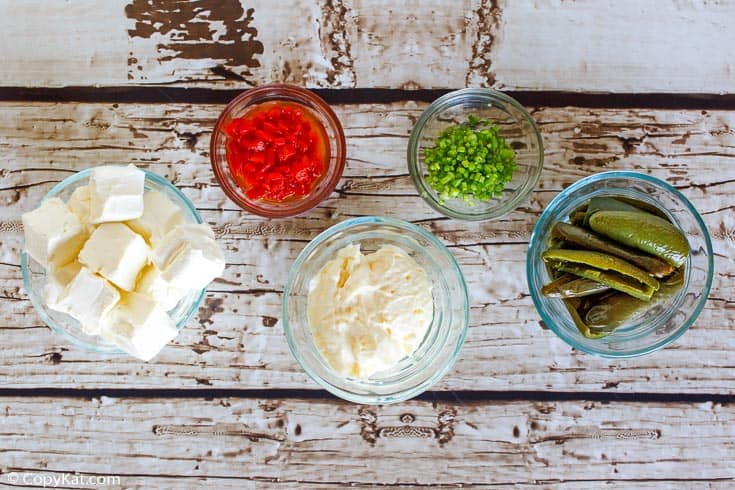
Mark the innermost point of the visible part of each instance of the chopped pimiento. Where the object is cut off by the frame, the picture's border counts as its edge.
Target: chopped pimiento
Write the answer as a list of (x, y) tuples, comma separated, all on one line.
[(277, 151)]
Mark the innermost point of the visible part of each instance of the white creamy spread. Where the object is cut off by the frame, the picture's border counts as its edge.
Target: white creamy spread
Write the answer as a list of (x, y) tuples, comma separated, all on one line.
[(367, 312)]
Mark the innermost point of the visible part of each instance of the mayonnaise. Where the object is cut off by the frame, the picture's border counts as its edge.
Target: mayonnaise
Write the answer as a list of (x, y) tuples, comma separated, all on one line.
[(367, 312)]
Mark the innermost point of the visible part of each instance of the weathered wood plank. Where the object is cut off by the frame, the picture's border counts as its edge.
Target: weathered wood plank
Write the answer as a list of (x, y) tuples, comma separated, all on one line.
[(170, 482), (307, 441), (623, 46), (237, 341)]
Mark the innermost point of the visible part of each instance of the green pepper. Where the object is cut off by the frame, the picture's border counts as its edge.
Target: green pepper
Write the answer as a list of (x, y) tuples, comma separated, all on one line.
[(643, 231), (607, 204), (577, 218), (591, 241), (583, 328), (571, 286), (642, 205), (616, 309), (606, 269)]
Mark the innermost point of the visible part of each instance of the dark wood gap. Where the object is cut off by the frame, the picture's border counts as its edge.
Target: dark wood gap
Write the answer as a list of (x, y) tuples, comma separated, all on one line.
[(458, 397), (156, 94)]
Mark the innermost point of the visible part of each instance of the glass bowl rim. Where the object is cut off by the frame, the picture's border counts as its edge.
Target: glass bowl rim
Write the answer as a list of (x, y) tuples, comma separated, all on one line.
[(304, 97), (400, 395), (451, 99), (546, 216), (40, 306)]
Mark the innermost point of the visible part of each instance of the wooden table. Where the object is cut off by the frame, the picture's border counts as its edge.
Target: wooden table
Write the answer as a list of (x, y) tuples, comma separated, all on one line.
[(630, 85)]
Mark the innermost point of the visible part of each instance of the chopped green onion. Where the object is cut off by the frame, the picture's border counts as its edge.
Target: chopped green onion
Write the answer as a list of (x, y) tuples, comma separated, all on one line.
[(470, 161)]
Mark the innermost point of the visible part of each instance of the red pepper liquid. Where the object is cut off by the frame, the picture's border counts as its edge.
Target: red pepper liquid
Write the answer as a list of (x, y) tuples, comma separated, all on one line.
[(277, 151)]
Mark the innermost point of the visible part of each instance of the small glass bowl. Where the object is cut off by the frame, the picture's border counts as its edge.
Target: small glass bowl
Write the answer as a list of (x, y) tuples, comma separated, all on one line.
[(514, 124), (34, 275), (316, 107), (664, 322), (445, 336)]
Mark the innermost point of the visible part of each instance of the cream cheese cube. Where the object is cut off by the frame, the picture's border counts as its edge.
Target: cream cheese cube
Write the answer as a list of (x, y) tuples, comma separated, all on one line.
[(140, 327), (116, 193), (53, 234), (65, 273), (153, 285), (189, 257), (57, 280), (88, 298), (52, 292), (117, 253), (79, 204), (160, 215)]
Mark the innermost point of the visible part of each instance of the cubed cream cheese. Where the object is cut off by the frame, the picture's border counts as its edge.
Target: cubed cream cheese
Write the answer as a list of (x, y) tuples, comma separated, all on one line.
[(65, 273), (53, 234), (160, 215), (153, 285), (116, 193), (57, 280), (189, 257), (88, 298), (52, 292), (117, 253), (78, 204), (140, 327)]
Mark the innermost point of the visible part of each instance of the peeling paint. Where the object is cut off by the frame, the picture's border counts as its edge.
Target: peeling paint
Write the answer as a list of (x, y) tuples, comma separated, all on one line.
[(336, 42), (486, 22), (219, 32)]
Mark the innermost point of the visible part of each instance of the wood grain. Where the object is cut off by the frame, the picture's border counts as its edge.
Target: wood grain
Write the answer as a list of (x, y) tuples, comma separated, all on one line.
[(291, 442), (627, 46), (236, 341)]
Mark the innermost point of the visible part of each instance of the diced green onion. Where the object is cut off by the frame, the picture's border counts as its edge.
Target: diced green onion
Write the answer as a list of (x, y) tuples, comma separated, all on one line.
[(470, 161)]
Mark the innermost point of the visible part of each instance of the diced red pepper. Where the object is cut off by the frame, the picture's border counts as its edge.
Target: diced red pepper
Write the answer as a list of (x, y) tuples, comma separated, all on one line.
[(254, 144), (276, 152), (256, 192), (286, 151)]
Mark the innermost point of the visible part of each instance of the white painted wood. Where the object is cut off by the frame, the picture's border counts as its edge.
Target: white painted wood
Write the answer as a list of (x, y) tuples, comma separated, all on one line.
[(53, 43), (618, 46), (293, 441), (237, 342)]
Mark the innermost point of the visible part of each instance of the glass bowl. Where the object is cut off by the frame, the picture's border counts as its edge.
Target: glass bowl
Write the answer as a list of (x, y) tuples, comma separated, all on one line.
[(310, 103), (662, 323), (440, 347), (514, 124), (34, 275)]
